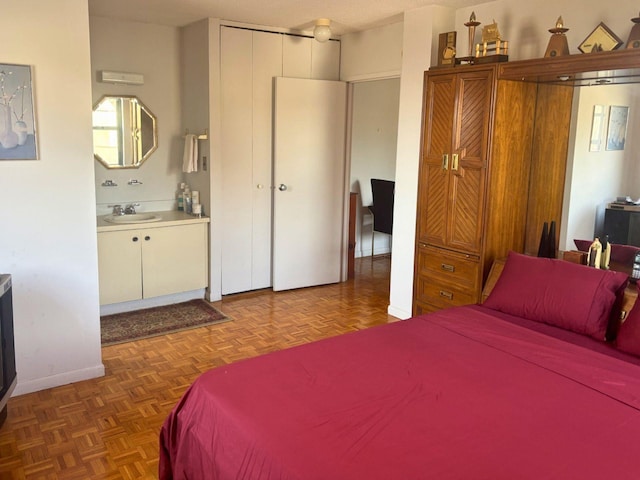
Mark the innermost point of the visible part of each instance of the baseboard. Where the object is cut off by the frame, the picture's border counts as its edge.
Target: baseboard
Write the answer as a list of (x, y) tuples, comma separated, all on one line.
[(398, 313), (151, 302), (38, 384)]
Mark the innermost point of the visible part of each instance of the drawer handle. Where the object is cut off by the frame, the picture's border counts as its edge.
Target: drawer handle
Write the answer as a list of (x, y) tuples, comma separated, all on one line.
[(448, 268), (135, 239), (147, 238), (454, 165), (447, 295), (445, 161)]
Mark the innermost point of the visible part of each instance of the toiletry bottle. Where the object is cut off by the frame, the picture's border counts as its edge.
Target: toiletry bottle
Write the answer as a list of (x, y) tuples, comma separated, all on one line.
[(187, 200), (195, 196), (181, 198)]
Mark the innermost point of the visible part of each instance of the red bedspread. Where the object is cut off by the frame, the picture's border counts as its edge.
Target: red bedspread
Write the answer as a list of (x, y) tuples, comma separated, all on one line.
[(460, 394)]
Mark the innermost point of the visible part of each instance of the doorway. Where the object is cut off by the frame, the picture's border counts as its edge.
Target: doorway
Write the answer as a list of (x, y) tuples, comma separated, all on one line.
[(374, 134)]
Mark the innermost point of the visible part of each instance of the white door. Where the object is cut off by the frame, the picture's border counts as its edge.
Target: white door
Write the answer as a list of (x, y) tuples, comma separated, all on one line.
[(309, 182)]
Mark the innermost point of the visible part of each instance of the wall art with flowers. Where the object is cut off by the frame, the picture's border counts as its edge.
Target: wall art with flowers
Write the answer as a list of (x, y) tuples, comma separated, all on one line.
[(17, 117)]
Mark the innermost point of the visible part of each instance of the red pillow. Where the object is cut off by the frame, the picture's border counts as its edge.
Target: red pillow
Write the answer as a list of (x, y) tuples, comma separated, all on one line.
[(567, 295), (628, 339)]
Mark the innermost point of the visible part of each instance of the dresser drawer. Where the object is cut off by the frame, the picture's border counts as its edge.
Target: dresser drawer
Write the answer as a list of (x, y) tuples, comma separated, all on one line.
[(441, 295), (454, 269)]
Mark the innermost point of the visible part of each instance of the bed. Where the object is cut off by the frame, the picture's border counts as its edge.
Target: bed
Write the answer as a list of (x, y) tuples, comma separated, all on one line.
[(524, 386)]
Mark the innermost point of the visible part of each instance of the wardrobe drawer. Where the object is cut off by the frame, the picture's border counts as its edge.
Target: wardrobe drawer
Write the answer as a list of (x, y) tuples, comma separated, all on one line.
[(442, 295), (455, 269)]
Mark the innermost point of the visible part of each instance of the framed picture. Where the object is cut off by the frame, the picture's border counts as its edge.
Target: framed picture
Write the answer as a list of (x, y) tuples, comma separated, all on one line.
[(617, 131), (597, 127), (602, 39), (17, 116)]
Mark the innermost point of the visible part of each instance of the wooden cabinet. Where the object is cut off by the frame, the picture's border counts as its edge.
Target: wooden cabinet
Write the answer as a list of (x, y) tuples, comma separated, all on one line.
[(454, 161), (149, 262), (481, 191)]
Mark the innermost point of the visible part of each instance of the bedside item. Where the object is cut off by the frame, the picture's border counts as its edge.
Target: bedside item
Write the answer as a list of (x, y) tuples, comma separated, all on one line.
[(595, 251), (558, 44)]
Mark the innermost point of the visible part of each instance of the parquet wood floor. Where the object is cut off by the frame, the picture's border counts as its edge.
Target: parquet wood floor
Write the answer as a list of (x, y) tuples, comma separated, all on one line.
[(107, 428)]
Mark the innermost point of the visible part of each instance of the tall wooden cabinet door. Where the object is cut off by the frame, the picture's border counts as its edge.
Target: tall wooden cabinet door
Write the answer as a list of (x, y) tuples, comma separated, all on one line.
[(469, 160), (436, 157)]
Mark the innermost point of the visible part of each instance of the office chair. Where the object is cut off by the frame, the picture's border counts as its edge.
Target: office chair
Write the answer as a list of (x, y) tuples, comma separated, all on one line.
[(382, 208)]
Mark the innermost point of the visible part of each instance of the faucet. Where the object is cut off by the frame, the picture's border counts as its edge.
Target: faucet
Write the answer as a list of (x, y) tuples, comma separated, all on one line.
[(117, 209), (131, 208)]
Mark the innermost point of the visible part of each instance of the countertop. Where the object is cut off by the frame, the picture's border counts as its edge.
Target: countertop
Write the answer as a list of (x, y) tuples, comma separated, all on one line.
[(170, 218)]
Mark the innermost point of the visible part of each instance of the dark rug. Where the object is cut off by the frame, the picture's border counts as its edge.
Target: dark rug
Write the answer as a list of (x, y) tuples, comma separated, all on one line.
[(151, 322)]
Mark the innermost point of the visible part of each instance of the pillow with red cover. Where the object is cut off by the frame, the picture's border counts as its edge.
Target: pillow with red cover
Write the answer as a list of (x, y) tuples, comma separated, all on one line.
[(628, 339), (567, 295)]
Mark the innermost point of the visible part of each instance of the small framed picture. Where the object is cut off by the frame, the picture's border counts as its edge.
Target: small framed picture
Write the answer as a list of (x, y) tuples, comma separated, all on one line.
[(17, 116), (597, 127), (617, 130), (602, 39)]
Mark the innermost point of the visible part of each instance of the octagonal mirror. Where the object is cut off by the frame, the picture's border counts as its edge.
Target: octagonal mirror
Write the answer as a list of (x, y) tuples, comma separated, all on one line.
[(124, 132)]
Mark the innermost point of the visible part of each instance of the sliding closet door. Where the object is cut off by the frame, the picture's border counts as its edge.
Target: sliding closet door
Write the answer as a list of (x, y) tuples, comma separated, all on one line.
[(309, 172), (250, 61)]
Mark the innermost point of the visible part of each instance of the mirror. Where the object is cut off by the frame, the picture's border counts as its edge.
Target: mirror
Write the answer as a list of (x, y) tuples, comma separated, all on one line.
[(124, 132)]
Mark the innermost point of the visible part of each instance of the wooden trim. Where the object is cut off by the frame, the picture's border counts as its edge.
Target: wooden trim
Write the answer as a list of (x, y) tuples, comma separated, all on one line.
[(622, 66)]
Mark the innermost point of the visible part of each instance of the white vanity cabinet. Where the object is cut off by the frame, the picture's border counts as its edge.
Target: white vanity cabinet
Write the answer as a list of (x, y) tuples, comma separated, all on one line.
[(143, 262)]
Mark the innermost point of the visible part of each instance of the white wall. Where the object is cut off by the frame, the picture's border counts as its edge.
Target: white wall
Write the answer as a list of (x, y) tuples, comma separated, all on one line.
[(154, 51), (421, 29), (596, 178), (526, 24), (48, 239), (383, 57), (374, 138), (195, 95)]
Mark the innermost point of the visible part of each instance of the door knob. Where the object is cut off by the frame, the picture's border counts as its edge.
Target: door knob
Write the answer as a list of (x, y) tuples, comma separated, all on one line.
[(282, 187)]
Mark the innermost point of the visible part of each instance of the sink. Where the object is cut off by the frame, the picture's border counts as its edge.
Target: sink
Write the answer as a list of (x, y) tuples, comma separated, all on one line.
[(133, 218)]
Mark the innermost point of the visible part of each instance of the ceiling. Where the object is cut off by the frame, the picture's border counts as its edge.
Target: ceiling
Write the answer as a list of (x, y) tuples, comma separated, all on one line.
[(346, 15)]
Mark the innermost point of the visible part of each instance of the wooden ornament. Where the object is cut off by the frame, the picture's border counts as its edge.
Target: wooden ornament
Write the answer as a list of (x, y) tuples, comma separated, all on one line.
[(558, 44), (634, 36)]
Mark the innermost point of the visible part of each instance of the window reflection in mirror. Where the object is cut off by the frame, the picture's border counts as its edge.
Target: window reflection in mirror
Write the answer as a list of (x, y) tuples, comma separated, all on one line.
[(124, 132)]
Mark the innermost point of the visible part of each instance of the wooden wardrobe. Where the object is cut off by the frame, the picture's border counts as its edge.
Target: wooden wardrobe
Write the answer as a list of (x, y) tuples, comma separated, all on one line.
[(487, 180)]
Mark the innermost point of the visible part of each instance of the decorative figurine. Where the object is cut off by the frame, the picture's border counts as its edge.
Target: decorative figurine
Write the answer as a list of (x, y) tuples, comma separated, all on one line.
[(471, 25), (558, 44), (492, 44), (634, 36)]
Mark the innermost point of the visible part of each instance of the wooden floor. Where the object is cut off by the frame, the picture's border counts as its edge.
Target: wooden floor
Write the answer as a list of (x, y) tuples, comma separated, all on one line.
[(107, 428)]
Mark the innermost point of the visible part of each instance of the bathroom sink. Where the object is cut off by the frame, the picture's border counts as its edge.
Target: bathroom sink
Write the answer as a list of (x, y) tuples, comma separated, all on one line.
[(133, 218)]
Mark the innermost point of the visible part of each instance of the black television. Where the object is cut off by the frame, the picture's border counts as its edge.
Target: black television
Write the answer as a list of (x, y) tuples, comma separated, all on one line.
[(8, 376)]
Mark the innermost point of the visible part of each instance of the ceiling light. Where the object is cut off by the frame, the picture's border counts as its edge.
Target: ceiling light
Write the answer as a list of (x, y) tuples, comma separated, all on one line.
[(322, 30)]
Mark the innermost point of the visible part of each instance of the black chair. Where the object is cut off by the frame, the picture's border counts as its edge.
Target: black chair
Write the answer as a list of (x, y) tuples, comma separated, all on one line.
[(382, 208)]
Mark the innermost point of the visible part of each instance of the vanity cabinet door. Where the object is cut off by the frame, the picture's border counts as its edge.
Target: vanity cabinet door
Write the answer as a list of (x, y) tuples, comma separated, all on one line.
[(119, 260), (174, 259)]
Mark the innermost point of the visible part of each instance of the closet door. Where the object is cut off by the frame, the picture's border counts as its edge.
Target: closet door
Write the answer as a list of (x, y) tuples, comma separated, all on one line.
[(250, 61), (237, 161), (267, 64)]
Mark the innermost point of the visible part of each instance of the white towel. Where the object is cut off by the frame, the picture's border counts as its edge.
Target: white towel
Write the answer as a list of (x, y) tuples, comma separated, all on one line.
[(190, 156)]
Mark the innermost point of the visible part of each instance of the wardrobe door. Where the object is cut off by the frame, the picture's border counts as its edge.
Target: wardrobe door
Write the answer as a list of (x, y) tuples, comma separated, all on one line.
[(469, 160), (433, 193)]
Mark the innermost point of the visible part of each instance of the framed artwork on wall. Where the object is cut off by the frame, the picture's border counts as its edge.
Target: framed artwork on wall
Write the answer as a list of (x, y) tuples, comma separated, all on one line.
[(17, 116), (597, 127), (617, 130)]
